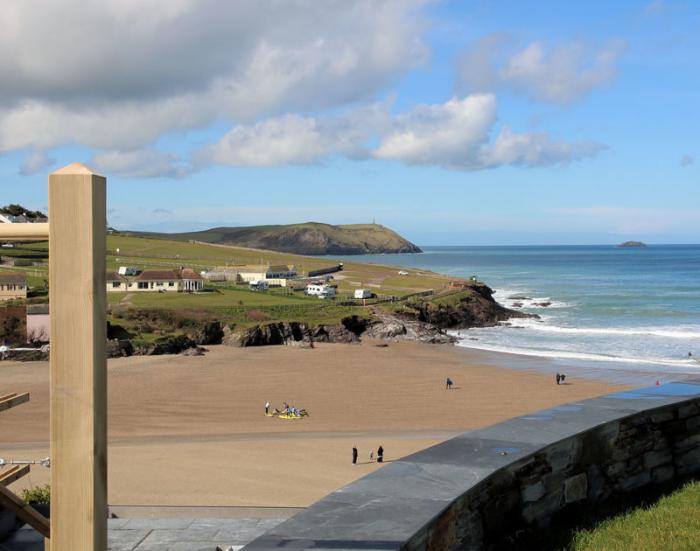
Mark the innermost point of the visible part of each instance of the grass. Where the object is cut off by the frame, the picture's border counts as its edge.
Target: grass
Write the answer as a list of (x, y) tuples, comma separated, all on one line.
[(671, 523), (236, 304)]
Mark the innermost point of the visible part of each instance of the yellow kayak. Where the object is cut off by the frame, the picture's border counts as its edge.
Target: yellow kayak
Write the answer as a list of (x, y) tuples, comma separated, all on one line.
[(289, 416)]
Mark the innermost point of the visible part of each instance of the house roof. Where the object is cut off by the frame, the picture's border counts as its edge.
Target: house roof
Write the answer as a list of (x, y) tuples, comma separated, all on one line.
[(158, 275), (279, 268), (114, 276), (13, 278), (37, 309), (189, 273)]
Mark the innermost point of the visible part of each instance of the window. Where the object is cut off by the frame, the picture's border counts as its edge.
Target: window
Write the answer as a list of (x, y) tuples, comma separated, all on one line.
[(171, 284), (116, 284), (143, 284)]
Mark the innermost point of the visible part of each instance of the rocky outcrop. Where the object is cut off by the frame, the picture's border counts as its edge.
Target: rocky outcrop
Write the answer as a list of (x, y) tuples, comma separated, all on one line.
[(389, 327), (211, 332), (348, 331), (27, 355), (119, 348), (472, 307), (165, 345)]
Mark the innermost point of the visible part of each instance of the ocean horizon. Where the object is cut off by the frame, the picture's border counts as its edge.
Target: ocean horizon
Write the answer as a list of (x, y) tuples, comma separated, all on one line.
[(621, 308)]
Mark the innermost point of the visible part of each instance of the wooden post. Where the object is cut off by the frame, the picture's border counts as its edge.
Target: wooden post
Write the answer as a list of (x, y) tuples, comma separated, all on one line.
[(77, 294)]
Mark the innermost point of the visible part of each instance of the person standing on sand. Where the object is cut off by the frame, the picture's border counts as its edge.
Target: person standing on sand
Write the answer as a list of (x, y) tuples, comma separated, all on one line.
[(448, 383), (354, 456), (371, 456), (380, 455), (267, 408), (558, 378)]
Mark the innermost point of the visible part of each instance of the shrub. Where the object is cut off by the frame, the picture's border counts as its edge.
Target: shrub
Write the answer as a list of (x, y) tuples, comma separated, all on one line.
[(38, 495)]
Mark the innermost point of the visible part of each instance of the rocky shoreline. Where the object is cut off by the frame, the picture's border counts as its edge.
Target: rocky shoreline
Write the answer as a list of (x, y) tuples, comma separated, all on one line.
[(419, 320)]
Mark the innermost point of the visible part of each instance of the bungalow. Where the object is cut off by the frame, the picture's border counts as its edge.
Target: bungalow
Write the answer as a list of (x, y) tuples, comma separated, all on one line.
[(184, 279), (13, 285), (158, 280)]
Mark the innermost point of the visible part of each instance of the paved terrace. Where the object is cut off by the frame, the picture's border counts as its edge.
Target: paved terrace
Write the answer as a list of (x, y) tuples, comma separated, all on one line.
[(164, 534)]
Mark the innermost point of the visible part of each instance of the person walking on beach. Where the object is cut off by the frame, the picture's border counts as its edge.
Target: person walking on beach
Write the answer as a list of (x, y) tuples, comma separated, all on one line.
[(371, 456), (380, 455), (267, 408), (558, 378), (448, 383), (354, 456)]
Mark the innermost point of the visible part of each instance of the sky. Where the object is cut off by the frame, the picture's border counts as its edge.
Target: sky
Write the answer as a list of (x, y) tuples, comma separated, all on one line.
[(452, 122)]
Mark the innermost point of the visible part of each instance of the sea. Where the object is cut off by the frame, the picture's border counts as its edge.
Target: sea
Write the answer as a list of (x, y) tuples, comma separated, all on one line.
[(601, 305)]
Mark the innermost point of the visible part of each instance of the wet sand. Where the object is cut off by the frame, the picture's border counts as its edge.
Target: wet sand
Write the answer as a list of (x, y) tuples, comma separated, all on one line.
[(192, 430)]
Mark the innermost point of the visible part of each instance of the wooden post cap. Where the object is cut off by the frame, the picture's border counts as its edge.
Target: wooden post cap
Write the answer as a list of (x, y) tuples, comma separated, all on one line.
[(76, 168)]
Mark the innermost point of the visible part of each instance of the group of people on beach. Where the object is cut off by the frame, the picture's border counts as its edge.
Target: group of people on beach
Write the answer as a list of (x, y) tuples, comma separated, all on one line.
[(560, 378), (288, 409), (380, 455)]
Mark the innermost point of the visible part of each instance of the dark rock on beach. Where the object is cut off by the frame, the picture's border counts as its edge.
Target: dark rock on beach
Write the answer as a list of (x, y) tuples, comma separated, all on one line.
[(474, 307)]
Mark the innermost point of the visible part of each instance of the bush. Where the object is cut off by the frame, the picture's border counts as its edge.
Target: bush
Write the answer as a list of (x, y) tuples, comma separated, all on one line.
[(38, 495)]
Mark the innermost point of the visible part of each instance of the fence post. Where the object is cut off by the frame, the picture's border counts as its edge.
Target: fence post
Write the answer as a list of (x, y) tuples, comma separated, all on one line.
[(77, 294)]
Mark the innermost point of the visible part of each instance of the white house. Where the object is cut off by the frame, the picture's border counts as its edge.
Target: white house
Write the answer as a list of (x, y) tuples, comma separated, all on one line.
[(184, 279), (13, 285)]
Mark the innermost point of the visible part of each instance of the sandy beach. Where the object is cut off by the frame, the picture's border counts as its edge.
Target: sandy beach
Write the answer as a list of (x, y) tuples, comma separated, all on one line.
[(192, 430)]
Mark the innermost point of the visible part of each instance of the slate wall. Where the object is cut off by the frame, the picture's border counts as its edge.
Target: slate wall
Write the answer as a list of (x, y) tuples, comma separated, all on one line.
[(480, 488), (644, 449)]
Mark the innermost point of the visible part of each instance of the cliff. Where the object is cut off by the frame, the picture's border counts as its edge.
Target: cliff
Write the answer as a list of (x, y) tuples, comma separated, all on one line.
[(311, 238)]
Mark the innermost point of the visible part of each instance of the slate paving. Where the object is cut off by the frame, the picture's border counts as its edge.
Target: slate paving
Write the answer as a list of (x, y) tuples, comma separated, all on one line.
[(167, 534)]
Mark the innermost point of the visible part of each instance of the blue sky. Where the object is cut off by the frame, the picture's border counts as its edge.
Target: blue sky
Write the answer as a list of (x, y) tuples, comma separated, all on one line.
[(451, 122)]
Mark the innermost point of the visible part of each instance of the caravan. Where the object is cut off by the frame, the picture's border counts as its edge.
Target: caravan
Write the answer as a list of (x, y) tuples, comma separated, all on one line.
[(320, 290)]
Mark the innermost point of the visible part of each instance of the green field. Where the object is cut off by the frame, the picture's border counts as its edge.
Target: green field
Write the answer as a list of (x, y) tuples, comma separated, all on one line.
[(233, 304), (146, 253), (672, 523)]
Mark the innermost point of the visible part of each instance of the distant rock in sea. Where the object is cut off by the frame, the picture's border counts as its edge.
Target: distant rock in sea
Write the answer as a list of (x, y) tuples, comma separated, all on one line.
[(631, 244)]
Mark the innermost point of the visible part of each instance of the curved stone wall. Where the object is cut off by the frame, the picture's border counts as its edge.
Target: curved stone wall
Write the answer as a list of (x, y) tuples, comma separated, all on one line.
[(468, 492)]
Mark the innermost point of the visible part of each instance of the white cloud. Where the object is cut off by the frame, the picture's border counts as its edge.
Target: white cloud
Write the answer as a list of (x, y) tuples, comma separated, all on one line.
[(117, 74), (446, 134), (561, 74), (455, 135), (143, 163), (35, 161)]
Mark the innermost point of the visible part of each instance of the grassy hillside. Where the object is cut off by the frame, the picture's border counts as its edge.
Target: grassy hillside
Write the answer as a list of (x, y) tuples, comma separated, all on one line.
[(311, 238), (233, 304)]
